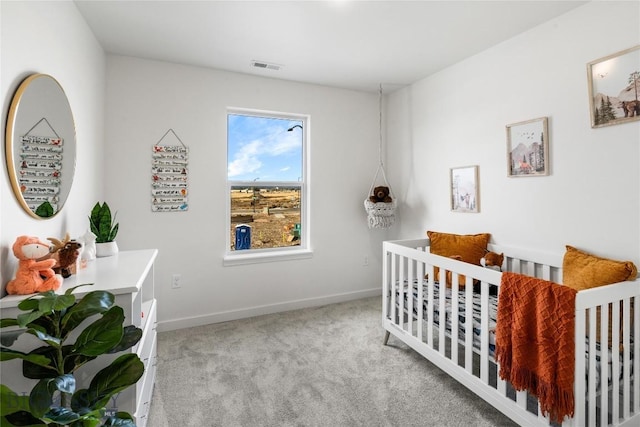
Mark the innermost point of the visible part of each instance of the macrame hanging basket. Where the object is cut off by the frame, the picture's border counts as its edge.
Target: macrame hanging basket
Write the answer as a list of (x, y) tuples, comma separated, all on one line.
[(380, 214)]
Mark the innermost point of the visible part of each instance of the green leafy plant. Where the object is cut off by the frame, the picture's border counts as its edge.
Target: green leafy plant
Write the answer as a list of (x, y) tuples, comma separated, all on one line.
[(45, 210), (102, 224), (54, 400)]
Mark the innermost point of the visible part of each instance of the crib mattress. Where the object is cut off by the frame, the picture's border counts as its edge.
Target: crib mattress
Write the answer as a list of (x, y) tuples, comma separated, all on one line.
[(462, 321), (475, 321)]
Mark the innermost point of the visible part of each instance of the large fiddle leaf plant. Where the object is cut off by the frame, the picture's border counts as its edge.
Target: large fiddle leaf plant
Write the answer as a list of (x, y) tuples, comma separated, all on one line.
[(54, 400)]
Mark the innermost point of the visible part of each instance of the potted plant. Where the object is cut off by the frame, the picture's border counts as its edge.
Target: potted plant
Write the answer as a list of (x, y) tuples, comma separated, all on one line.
[(54, 400), (102, 225)]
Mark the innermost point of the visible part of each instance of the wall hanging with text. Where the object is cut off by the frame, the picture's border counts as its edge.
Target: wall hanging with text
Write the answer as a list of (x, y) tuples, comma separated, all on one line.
[(169, 176)]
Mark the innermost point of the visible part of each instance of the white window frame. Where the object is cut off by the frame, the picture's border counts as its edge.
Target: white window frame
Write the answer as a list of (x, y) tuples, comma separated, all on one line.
[(251, 256)]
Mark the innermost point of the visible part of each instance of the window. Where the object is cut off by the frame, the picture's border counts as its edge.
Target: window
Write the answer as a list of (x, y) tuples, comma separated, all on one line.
[(266, 186)]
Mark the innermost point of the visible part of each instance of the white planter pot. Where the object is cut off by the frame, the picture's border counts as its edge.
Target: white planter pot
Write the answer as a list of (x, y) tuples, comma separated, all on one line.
[(106, 249)]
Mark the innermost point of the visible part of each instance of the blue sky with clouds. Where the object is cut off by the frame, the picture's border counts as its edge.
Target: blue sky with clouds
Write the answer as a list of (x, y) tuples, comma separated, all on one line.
[(261, 148)]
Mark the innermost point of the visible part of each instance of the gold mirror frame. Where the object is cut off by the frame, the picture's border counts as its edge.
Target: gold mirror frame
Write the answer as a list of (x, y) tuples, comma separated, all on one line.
[(40, 146)]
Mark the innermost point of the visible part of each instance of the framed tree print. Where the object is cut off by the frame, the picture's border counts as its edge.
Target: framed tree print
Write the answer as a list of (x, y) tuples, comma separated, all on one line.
[(464, 189), (528, 148), (614, 88)]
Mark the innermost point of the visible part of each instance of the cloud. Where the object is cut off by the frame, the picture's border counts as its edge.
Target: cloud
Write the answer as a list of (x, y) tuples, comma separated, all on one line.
[(254, 155), (246, 160), (262, 146), (282, 145)]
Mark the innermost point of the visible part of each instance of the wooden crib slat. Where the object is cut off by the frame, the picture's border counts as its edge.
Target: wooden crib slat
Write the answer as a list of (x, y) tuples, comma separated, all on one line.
[(420, 274), (579, 377), (603, 389), (515, 265), (385, 285), (501, 386), (442, 309), (430, 307), (636, 353), (455, 287), (468, 333), (615, 362), (530, 268), (592, 367), (521, 399), (410, 277), (626, 357), (484, 332), (394, 286), (402, 299)]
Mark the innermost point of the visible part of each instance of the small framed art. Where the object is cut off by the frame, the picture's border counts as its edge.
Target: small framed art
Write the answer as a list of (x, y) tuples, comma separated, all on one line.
[(464, 189), (528, 148), (614, 88)]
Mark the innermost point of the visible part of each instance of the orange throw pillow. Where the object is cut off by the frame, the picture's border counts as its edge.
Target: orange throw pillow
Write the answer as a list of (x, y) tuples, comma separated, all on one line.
[(581, 270), (464, 247), (470, 247)]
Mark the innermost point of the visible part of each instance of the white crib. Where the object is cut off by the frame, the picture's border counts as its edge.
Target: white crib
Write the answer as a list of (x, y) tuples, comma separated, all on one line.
[(469, 359)]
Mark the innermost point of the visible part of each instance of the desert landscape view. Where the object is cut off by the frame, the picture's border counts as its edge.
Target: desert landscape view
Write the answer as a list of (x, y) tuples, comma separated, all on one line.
[(273, 215)]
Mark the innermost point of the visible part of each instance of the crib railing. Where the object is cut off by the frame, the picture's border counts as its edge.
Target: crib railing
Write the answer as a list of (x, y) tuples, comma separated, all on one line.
[(617, 400), (408, 277)]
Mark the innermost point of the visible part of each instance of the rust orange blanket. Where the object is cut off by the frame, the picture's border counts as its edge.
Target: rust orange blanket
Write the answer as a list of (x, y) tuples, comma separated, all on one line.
[(535, 348)]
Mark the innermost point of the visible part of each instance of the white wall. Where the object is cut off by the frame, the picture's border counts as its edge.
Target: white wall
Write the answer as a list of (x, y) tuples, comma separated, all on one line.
[(146, 98), (52, 38), (457, 117), (454, 118)]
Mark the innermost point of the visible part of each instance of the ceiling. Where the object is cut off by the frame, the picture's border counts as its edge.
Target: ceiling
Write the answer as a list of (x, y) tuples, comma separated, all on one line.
[(348, 44)]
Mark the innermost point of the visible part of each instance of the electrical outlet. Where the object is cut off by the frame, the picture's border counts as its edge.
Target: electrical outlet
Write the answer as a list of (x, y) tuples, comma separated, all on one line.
[(365, 263), (176, 281)]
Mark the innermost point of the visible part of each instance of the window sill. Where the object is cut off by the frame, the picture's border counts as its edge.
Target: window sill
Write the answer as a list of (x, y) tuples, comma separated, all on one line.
[(265, 256)]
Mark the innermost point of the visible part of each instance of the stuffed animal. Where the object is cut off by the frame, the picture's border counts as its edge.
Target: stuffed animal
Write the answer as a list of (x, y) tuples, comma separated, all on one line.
[(381, 194), (33, 275), (67, 252), (492, 260)]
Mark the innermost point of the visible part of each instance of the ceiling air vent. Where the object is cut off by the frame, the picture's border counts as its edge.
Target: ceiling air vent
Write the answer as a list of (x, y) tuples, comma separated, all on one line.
[(265, 65)]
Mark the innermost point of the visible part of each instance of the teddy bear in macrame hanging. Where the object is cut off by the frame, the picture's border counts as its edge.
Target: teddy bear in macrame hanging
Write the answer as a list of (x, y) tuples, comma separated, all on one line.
[(381, 195)]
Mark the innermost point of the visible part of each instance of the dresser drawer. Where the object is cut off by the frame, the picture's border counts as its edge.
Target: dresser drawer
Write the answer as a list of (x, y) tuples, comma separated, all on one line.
[(144, 404), (130, 398), (147, 349)]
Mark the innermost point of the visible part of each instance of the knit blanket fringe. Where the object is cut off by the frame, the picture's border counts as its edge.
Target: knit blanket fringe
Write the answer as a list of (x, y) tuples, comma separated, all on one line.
[(535, 341), (554, 402)]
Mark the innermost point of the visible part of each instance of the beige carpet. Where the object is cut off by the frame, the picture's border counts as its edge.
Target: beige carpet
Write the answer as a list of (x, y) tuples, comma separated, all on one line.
[(323, 366)]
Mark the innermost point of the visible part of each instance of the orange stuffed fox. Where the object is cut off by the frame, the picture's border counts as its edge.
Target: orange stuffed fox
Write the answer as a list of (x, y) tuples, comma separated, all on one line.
[(33, 275)]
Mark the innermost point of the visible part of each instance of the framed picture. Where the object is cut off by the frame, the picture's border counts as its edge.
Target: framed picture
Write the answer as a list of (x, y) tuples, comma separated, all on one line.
[(614, 88), (528, 148), (464, 189)]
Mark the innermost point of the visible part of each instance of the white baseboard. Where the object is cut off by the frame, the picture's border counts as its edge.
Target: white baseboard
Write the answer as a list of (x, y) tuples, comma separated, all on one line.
[(225, 316)]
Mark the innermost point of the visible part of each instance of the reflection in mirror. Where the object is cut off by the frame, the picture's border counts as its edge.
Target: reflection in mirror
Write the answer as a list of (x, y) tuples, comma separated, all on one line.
[(40, 146)]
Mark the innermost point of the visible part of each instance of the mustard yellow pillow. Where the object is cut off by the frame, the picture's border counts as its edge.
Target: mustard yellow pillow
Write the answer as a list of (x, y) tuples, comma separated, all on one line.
[(464, 247), (581, 270), (469, 247)]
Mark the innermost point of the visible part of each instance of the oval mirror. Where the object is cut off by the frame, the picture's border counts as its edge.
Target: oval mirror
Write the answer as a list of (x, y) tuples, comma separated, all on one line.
[(40, 146)]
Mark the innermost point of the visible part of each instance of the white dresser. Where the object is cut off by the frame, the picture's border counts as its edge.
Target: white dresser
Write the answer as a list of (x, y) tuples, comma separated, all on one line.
[(129, 276)]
